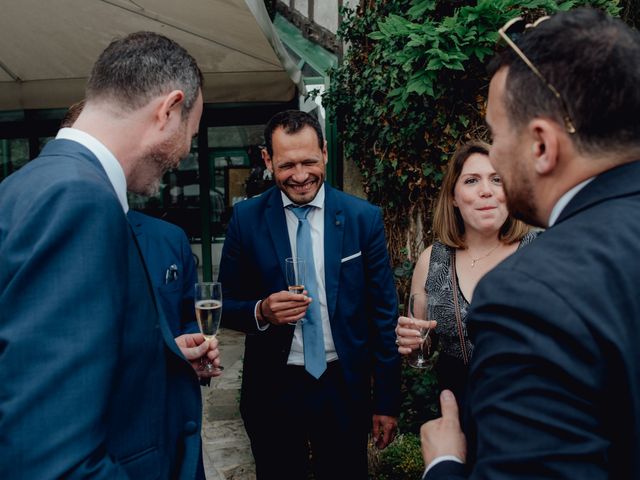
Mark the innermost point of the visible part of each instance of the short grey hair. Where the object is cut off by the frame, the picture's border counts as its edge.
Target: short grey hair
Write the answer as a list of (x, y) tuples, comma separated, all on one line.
[(137, 68)]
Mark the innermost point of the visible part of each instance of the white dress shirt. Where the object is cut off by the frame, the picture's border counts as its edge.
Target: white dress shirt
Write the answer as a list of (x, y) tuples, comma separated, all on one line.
[(108, 161), (564, 200), (316, 222)]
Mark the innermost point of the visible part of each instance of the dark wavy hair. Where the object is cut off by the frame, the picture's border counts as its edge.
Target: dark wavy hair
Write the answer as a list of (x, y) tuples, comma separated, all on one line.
[(593, 60)]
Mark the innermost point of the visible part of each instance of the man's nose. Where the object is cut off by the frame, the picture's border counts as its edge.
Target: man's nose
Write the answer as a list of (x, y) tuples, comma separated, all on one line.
[(300, 173)]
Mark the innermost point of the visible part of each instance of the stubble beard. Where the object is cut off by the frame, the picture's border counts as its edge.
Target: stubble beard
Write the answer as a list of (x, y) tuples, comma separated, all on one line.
[(291, 195), (520, 201), (159, 160)]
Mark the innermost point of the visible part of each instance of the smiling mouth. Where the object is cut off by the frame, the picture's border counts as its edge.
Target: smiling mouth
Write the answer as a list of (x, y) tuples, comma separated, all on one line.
[(302, 188)]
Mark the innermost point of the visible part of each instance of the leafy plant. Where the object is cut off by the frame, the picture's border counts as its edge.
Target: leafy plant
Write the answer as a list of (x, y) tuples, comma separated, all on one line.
[(412, 86), (401, 460), (419, 393)]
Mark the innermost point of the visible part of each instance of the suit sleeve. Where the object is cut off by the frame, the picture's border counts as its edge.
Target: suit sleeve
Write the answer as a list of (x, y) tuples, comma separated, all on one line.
[(447, 470), (235, 276), (188, 322), (382, 298), (533, 387), (62, 304)]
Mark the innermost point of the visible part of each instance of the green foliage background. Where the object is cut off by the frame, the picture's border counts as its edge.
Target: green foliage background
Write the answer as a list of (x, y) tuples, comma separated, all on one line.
[(413, 85)]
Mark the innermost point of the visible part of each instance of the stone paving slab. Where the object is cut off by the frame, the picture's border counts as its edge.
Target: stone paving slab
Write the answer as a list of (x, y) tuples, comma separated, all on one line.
[(226, 449)]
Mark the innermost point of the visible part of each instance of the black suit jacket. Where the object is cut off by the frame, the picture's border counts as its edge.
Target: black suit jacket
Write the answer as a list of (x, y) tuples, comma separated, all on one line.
[(554, 387)]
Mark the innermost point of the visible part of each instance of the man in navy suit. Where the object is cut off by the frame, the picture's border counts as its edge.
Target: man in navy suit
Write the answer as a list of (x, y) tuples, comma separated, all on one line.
[(92, 382), (554, 387), (287, 405)]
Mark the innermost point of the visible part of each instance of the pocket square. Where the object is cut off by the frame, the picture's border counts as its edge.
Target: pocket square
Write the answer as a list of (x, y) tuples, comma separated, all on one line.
[(351, 257)]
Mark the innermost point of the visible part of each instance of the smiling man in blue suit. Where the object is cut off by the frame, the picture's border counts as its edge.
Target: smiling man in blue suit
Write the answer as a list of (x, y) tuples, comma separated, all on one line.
[(309, 384), (92, 382)]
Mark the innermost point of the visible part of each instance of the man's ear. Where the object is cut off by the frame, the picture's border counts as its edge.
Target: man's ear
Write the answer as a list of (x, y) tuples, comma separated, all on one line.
[(544, 146), (170, 108), (325, 155), (267, 159)]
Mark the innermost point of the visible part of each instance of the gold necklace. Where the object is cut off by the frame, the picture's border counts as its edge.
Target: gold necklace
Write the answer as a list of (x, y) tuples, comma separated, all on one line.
[(475, 260)]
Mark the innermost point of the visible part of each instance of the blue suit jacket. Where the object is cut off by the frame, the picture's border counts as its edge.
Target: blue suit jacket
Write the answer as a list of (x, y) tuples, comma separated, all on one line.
[(92, 384), (361, 296), (554, 388), (164, 244)]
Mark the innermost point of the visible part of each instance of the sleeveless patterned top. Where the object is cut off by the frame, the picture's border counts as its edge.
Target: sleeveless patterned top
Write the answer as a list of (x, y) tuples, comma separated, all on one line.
[(441, 307)]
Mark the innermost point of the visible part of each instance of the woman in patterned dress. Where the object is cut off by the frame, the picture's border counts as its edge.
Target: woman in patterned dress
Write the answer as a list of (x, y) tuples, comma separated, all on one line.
[(474, 233)]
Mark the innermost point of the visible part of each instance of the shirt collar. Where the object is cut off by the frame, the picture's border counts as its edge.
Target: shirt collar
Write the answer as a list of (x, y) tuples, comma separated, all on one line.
[(108, 161), (564, 200), (317, 202)]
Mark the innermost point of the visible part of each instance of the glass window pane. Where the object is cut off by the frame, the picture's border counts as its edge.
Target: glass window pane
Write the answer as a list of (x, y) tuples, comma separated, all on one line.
[(14, 153)]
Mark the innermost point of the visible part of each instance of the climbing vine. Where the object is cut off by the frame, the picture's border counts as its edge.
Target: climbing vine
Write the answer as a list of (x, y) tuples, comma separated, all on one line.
[(413, 85)]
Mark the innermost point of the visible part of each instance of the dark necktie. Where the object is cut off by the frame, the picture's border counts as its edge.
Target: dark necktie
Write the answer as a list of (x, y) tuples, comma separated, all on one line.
[(315, 361)]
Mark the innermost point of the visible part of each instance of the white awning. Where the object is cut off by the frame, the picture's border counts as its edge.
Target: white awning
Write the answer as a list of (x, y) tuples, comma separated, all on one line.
[(47, 48)]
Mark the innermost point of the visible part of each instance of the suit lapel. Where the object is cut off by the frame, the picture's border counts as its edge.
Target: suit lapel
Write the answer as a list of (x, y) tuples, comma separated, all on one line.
[(141, 237), (162, 321), (277, 225), (333, 233), (617, 182)]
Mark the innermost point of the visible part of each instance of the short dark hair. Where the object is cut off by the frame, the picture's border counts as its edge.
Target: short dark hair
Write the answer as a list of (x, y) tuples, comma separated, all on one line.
[(72, 114), (135, 69), (593, 60), (292, 121), (448, 226)]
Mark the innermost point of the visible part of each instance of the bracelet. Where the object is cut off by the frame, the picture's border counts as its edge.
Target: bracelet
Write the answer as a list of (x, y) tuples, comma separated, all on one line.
[(261, 312)]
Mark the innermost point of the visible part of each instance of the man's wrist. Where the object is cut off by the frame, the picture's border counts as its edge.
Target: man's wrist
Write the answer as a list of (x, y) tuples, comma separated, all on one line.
[(440, 459), (261, 322), (263, 317)]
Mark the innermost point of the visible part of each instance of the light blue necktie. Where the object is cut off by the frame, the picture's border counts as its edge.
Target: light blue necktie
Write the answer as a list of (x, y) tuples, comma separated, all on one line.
[(315, 361)]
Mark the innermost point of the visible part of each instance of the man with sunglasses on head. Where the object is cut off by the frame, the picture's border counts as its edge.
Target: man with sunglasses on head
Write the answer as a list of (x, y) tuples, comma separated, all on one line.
[(554, 387)]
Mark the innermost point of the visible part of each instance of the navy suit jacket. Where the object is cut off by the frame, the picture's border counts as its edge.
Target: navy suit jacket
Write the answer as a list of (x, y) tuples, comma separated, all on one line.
[(361, 296), (92, 384), (554, 388), (164, 244)]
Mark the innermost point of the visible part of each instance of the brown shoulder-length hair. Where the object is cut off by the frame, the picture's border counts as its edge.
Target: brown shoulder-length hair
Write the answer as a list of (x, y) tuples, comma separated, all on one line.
[(448, 226)]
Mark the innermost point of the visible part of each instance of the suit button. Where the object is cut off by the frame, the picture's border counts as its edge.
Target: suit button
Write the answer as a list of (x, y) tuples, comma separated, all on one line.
[(190, 428)]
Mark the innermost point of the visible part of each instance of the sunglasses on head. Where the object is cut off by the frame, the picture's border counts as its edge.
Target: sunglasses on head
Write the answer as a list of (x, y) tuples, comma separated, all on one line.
[(510, 33)]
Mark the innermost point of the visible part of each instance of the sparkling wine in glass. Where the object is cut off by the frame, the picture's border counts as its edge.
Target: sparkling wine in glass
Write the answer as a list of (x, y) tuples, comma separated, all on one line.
[(295, 274), (295, 268), (418, 308), (208, 300)]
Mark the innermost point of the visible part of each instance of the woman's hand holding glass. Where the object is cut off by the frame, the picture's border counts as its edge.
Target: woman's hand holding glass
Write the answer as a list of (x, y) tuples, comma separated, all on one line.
[(408, 333), (412, 332)]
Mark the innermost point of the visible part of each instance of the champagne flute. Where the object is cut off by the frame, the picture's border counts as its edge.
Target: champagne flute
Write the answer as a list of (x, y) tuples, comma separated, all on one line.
[(418, 305), (295, 274), (208, 300), (295, 268)]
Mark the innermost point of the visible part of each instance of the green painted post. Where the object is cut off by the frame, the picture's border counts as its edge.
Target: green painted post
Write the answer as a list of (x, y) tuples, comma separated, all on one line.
[(205, 201)]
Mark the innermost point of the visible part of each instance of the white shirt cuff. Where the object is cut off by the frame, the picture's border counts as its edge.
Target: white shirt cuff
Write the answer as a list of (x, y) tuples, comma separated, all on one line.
[(262, 328), (442, 458)]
